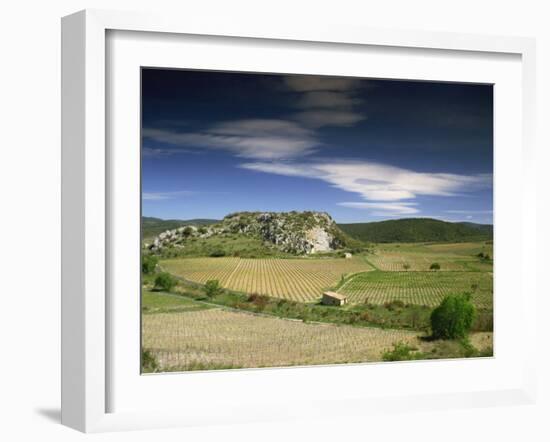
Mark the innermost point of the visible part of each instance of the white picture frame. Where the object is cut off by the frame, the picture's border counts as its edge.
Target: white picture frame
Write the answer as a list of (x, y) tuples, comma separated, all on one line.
[(86, 317)]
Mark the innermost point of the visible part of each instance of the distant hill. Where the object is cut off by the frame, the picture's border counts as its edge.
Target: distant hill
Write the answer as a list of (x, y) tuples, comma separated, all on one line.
[(151, 227), (295, 233), (418, 230)]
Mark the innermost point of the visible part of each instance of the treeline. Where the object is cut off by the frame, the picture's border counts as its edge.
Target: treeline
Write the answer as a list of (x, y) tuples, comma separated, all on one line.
[(151, 227), (418, 230)]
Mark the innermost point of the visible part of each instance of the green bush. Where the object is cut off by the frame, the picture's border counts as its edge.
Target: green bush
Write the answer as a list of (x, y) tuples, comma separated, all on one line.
[(394, 304), (402, 352), (149, 263), (164, 281), (435, 266), (212, 288), (453, 318), (187, 231), (217, 253), (149, 363)]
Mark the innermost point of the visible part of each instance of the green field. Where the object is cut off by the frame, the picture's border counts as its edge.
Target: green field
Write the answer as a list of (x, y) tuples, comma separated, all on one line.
[(217, 338), (421, 288), (298, 279), (158, 302), (391, 272), (419, 257), (388, 303)]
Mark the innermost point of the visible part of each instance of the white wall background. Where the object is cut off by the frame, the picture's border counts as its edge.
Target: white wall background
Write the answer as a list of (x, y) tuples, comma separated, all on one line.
[(30, 214)]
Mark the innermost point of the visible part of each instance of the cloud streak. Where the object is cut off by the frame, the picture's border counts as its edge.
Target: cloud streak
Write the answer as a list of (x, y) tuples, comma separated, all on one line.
[(463, 212), (160, 196), (264, 139), (377, 182), (383, 208), (325, 101), (320, 102)]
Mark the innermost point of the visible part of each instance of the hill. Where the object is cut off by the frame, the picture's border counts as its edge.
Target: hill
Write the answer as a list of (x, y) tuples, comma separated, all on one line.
[(418, 230), (256, 233), (151, 227)]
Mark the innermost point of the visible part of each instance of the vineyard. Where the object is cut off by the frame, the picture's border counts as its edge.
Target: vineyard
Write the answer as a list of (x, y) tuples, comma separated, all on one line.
[(419, 257), (218, 337), (300, 280), (398, 262), (193, 333), (421, 288)]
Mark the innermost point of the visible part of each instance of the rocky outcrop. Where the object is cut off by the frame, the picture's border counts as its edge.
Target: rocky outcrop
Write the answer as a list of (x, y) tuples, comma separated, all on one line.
[(291, 232)]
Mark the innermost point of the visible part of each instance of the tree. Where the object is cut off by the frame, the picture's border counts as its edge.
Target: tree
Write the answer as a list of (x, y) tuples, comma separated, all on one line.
[(406, 266), (435, 266), (149, 263), (187, 231), (453, 318), (212, 288), (164, 281)]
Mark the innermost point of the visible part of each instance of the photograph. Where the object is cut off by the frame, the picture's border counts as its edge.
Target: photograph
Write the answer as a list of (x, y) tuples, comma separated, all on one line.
[(305, 220)]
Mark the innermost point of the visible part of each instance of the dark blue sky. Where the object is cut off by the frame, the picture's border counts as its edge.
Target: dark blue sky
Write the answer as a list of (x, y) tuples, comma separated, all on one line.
[(359, 149)]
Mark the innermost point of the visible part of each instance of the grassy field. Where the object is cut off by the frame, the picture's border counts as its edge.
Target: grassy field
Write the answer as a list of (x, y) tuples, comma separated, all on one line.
[(402, 273), (154, 302), (389, 304), (297, 279), (216, 338), (419, 257), (421, 288)]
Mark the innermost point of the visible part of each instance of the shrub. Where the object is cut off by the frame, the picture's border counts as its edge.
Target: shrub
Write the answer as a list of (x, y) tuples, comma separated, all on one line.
[(187, 231), (149, 263), (149, 363), (402, 352), (217, 253), (395, 304), (212, 288), (435, 266), (165, 281), (453, 318), (260, 301)]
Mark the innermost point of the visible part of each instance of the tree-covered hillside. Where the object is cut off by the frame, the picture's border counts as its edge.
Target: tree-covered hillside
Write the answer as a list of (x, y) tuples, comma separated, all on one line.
[(151, 227), (418, 230)]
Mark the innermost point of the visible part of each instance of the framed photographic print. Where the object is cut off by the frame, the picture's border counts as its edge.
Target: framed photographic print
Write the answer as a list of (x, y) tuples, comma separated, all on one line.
[(252, 213), (326, 220)]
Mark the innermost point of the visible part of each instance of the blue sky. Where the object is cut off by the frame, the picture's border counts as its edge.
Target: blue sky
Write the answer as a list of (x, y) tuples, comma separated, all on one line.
[(360, 149)]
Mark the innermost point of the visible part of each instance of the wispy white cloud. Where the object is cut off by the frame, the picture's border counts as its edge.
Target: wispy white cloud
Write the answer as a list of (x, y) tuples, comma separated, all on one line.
[(384, 208), (308, 83), (320, 101), (377, 182), (158, 196), (466, 212), (324, 99), (160, 152), (323, 117), (263, 139)]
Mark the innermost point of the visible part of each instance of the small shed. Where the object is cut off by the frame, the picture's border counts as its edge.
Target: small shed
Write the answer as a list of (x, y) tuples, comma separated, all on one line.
[(333, 298), (347, 255)]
